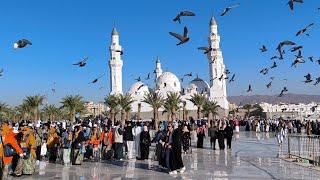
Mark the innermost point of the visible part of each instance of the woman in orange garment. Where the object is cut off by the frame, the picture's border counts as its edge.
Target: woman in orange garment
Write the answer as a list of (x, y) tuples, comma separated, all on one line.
[(8, 137), (95, 142)]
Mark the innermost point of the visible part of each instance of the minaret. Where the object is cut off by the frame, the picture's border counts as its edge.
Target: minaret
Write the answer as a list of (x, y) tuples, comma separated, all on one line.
[(158, 69), (218, 91), (115, 64)]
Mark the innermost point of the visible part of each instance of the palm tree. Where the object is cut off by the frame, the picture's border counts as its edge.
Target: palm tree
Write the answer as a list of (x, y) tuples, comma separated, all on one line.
[(24, 111), (198, 100), (3, 110), (111, 102), (210, 108), (248, 107), (73, 105), (172, 104), (124, 102), (34, 102), (156, 101), (51, 111)]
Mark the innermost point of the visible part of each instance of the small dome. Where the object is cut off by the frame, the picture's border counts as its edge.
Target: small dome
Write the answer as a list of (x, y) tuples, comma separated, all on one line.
[(201, 85), (138, 88), (114, 31), (169, 81)]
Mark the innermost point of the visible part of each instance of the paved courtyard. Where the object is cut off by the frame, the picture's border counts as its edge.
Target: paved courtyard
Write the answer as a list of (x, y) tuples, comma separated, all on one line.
[(253, 156)]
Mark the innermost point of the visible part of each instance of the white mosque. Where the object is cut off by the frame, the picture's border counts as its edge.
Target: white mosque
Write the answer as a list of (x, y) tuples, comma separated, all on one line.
[(168, 82)]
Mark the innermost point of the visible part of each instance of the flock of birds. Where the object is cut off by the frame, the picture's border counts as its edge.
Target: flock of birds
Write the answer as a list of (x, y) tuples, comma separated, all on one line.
[(184, 38)]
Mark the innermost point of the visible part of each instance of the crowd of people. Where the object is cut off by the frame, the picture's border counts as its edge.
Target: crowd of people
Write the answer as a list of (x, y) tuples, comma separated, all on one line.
[(23, 145)]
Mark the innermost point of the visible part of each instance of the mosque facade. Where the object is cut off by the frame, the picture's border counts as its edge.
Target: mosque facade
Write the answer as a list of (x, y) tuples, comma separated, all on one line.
[(166, 82)]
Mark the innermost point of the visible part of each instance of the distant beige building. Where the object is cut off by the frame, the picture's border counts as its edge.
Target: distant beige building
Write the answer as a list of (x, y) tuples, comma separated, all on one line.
[(94, 109)]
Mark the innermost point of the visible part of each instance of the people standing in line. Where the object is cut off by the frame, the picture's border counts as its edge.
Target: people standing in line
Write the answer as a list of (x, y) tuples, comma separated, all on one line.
[(128, 136), (118, 141), (145, 142), (212, 133), (137, 131), (186, 139), (201, 135), (9, 144), (229, 133), (77, 146), (173, 151)]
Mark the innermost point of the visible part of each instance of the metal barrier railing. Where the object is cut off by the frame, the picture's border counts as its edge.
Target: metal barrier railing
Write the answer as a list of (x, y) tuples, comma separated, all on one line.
[(304, 147)]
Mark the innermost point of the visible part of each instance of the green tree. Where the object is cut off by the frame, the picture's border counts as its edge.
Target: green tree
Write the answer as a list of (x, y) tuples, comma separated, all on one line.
[(34, 102), (125, 102), (51, 112), (248, 108), (111, 102), (4, 108), (210, 108), (24, 111), (198, 100), (156, 101), (171, 104), (72, 105)]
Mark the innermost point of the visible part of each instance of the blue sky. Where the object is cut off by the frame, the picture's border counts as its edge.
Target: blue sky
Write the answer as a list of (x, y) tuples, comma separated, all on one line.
[(64, 31)]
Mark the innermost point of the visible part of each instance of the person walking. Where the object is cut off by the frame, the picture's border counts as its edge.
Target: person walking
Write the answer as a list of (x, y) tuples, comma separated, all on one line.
[(137, 131), (200, 135), (186, 139), (145, 142), (212, 133), (118, 141), (229, 133), (128, 136)]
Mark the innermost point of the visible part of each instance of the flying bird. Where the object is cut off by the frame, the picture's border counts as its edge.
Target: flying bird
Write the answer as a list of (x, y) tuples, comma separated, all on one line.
[(291, 3), (264, 71), (96, 79), (282, 44), (206, 49), (263, 49), (274, 57), (318, 61), (249, 89), (138, 79), (189, 74), (311, 58), (227, 71), (221, 77), (317, 81), (183, 39), (53, 89), (181, 14), (284, 90), (308, 78), (299, 59), (1, 72), (269, 84), (148, 77), (140, 87), (232, 78), (21, 43), (274, 65), (302, 31), (119, 51), (226, 10), (296, 48), (81, 63)]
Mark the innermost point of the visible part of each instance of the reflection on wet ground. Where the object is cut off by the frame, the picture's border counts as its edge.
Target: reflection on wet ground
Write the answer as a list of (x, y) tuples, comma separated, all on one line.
[(253, 156)]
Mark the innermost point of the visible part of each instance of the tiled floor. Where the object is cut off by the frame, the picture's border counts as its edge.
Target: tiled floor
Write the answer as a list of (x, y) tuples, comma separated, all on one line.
[(253, 156)]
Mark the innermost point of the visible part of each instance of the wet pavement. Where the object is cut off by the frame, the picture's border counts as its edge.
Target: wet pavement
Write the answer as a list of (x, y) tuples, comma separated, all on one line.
[(253, 156)]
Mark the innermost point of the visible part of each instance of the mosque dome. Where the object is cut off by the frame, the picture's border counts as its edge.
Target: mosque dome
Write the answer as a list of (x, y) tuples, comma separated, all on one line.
[(201, 85), (138, 88), (169, 81)]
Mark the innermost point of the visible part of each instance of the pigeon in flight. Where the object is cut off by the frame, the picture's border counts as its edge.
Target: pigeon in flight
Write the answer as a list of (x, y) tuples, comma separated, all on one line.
[(311, 58), (181, 14), (274, 65), (302, 31), (282, 44), (148, 77), (308, 78), (318, 61), (53, 89), (263, 49), (81, 63), (227, 71), (317, 81), (232, 78), (119, 51), (206, 49), (269, 84), (226, 10), (1, 72), (284, 90), (138, 79), (274, 57), (296, 48), (221, 77), (21, 43), (249, 89), (96, 80), (183, 39), (264, 71), (299, 59), (189, 75), (140, 87), (291, 3)]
